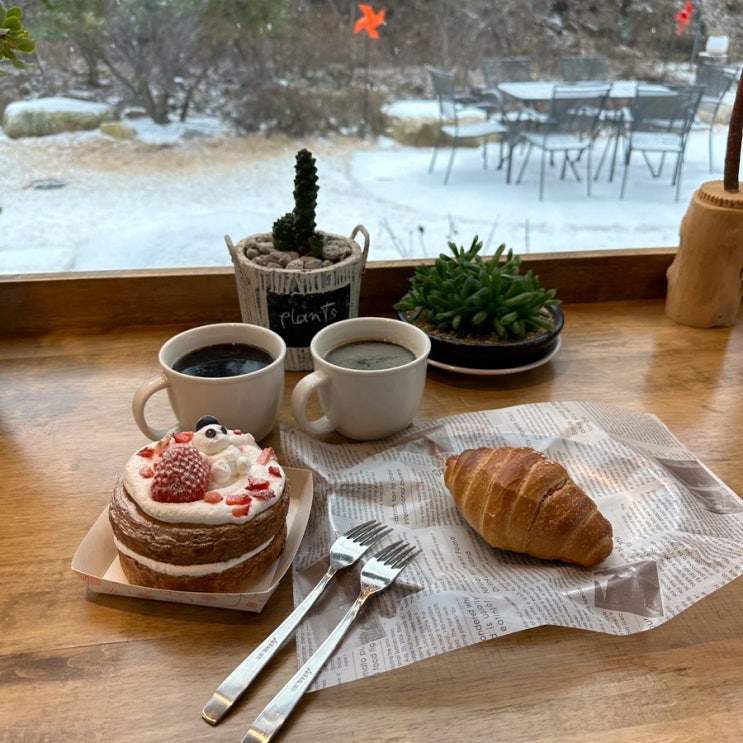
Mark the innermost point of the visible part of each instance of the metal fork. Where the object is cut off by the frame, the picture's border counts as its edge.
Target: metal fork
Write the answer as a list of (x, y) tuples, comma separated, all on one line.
[(378, 573), (344, 552)]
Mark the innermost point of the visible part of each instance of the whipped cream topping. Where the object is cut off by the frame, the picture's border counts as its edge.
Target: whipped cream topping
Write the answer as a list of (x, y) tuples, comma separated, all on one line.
[(197, 571), (245, 478)]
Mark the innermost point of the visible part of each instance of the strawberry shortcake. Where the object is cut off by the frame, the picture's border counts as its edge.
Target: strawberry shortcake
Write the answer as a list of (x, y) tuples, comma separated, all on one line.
[(200, 511)]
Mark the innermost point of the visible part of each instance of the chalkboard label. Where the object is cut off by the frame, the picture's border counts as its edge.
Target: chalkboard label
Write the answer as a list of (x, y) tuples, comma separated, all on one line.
[(297, 317)]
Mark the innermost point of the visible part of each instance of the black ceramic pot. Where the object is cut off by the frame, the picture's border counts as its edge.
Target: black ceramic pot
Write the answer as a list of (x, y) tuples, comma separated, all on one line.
[(467, 354)]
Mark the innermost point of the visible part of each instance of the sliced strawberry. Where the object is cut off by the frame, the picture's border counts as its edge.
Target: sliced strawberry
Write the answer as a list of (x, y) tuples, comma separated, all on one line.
[(274, 470), (238, 500), (147, 452), (264, 495), (212, 496), (240, 511), (182, 475), (265, 455), (146, 472), (183, 437), (256, 483)]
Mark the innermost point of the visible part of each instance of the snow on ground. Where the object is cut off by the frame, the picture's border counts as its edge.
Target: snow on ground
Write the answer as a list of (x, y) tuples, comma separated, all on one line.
[(86, 201)]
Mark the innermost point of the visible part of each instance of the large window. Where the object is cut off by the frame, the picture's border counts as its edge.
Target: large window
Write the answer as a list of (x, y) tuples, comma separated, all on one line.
[(213, 98)]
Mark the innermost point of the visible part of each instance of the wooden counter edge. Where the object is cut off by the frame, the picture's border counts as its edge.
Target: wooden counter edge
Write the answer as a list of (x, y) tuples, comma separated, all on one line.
[(94, 302)]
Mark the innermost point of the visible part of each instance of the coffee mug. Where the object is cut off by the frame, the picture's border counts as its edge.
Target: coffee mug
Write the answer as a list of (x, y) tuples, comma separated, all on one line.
[(369, 375), (233, 371)]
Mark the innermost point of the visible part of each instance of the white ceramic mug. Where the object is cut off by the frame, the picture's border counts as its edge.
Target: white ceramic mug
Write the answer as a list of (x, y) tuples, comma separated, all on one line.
[(363, 404), (248, 402)]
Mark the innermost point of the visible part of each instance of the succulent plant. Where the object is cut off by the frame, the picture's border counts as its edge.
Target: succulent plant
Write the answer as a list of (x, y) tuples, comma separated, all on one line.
[(296, 230), (469, 296)]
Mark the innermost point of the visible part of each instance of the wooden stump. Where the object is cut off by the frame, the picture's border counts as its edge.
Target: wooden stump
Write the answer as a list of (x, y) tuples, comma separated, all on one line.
[(705, 280)]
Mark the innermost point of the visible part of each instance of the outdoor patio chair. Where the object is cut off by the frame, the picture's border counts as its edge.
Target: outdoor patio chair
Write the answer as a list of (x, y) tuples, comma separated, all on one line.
[(660, 125), (451, 126), (571, 129), (516, 120), (497, 70), (715, 50), (516, 116), (613, 125), (576, 68), (716, 81)]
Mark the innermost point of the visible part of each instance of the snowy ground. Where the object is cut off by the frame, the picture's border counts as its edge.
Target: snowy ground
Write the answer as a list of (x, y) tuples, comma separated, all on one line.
[(89, 202)]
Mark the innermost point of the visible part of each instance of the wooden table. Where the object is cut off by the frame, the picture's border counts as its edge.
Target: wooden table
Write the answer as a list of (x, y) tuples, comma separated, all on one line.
[(87, 667)]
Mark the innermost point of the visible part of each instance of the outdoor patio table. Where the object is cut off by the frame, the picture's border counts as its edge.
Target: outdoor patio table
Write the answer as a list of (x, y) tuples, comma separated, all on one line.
[(540, 91), (80, 666), (538, 94)]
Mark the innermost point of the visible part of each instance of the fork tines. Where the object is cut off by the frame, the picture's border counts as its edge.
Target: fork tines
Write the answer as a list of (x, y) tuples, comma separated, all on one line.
[(397, 554), (369, 531)]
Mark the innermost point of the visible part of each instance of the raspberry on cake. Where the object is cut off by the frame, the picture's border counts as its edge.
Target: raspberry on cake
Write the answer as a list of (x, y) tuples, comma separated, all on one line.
[(200, 511)]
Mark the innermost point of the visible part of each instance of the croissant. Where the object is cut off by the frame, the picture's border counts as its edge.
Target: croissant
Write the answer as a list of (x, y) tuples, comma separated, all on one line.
[(517, 499)]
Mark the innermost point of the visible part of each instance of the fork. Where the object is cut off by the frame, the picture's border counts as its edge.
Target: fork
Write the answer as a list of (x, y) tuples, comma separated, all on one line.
[(378, 573), (344, 552)]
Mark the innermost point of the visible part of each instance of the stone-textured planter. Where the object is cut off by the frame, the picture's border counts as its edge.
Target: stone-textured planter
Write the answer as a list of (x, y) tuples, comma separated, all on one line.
[(297, 302)]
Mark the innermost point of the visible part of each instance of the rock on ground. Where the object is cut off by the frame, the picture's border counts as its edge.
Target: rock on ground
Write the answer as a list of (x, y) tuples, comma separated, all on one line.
[(44, 116)]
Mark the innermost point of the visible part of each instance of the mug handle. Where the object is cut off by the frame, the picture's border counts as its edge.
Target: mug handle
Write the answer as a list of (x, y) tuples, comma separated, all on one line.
[(143, 393), (301, 395)]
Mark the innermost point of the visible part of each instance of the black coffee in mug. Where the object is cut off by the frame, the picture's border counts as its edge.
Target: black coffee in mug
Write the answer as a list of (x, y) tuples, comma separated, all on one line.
[(367, 354), (223, 360)]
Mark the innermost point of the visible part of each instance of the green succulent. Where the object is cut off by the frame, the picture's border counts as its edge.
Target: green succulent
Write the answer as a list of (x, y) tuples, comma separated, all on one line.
[(296, 230), (467, 295)]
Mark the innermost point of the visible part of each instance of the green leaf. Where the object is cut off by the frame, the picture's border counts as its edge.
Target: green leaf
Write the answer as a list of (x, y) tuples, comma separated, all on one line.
[(521, 298)]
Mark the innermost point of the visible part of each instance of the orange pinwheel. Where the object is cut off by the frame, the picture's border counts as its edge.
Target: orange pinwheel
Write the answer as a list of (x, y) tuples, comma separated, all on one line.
[(683, 17), (369, 22)]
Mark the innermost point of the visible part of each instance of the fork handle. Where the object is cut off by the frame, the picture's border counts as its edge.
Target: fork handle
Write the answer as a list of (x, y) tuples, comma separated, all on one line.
[(277, 711), (233, 687)]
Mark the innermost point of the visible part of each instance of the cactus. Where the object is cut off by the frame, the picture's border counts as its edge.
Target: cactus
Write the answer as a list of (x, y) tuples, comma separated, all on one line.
[(283, 232), (296, 230)]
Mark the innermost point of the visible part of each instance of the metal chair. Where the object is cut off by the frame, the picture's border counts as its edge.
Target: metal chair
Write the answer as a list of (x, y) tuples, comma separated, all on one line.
[(716, 81), (497, 70), (715, 50), (613, 123), (577, 68), (516, 120), (451, 127), (660, 124), (571, 129)]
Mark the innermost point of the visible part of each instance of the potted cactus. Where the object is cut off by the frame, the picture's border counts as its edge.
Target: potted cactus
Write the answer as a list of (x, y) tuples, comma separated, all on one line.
[(297, 279), (483, 315)]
